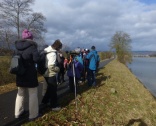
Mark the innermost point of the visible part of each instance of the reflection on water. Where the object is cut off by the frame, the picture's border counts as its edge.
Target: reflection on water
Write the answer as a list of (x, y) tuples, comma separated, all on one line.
[(145, 70)]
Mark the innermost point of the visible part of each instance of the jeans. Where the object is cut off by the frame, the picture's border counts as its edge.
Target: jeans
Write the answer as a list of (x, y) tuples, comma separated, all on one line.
[(91, 77)]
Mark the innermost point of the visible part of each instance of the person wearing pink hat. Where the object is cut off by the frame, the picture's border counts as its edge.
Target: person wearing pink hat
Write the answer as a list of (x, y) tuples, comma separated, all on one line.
[(27, 48)]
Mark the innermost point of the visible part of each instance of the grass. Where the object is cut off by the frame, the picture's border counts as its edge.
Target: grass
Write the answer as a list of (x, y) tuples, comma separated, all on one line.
[(119, 99), (6, 77), (12, 86)]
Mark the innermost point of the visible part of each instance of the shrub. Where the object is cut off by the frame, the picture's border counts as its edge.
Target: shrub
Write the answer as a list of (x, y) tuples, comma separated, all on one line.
[(5, 76)]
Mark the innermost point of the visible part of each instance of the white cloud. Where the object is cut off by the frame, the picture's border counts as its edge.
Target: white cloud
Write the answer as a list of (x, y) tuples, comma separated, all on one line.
[(93, 22)]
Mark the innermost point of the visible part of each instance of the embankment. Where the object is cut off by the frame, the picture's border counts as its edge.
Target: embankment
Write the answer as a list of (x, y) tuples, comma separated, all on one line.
[(118, 100)]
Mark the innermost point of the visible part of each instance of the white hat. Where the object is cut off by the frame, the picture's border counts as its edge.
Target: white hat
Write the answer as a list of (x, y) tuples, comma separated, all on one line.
[(78, 50)]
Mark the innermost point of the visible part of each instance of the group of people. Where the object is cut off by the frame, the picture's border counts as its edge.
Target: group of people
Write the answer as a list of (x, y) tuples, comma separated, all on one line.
[(79, 65)]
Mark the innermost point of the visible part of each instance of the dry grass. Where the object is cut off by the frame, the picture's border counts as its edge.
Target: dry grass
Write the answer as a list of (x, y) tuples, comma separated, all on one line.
[(118, 100), (7, 88), (12, 86)]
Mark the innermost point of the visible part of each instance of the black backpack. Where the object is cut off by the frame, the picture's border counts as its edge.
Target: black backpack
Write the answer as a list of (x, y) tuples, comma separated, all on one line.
[(17, 65), (41, 65)]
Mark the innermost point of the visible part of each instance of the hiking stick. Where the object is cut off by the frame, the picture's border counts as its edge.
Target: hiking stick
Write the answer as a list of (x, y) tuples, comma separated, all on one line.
[(75, 84)]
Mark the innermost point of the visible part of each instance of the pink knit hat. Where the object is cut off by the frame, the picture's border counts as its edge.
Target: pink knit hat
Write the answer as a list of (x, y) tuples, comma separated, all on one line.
[(27, 34)]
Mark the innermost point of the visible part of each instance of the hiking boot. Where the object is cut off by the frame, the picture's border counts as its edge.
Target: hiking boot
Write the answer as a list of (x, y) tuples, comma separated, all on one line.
[(56, 109)]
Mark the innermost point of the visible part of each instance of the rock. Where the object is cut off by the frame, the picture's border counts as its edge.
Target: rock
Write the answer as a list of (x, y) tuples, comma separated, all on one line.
[(113, 90)]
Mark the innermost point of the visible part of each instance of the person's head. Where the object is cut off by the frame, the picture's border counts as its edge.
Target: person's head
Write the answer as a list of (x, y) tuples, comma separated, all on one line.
[(57, 45), (77, 50), (93, 47), (26, 34), (86, 50)]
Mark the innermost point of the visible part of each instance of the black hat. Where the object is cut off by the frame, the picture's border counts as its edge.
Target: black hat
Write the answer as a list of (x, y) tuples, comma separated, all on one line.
[(93, 47)]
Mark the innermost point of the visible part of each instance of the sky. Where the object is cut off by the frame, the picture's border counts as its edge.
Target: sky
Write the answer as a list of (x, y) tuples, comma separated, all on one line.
[(83, 23)]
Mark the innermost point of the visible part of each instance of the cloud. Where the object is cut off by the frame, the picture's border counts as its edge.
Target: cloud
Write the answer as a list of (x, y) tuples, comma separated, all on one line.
[(86, 23)]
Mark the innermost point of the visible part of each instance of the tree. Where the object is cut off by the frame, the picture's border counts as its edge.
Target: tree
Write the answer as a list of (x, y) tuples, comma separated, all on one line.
[(14, 10), (35, 23), (17, 15), (7, 36), (121, 43)]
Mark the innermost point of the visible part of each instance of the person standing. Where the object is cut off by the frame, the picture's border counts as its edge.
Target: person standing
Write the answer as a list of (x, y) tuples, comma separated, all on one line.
[(74, 69), (86, 63), (50, 75), (93, 60), (28, 50), (79, 58)]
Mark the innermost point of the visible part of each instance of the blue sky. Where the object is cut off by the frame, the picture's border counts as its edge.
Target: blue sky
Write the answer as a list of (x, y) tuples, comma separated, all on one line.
[(83, 23), (148, 1)]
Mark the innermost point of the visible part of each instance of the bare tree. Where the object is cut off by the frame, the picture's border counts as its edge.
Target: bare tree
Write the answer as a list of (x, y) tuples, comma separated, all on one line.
[(121, 43), (35, 23), (17, 15), (7, 35), (14, 10)]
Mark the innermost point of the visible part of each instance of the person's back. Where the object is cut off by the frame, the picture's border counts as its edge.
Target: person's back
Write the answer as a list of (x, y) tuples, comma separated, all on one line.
[(93, 60), (28, 49), (30, 56)]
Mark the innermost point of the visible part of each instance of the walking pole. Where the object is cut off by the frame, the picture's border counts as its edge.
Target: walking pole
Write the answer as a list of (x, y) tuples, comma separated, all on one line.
[(74, 84), (84, 70)]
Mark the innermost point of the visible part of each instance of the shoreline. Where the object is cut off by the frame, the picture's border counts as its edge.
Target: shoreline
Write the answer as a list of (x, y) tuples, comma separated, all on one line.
[(143, 84), (143, 69)]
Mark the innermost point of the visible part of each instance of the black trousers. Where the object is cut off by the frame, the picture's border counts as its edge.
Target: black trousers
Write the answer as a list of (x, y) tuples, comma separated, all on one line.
[(71, 84), (60, 76), (51, 92)]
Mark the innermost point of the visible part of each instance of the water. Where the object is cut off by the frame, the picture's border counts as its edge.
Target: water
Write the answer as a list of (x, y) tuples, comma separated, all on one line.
[(145, 70)]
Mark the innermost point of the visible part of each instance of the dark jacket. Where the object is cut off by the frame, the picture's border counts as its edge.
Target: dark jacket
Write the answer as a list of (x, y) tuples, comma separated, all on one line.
[(28, 49)]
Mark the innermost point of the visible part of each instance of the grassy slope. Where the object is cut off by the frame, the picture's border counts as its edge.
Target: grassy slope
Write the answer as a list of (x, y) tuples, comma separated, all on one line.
[(12, 86), (129, 104)]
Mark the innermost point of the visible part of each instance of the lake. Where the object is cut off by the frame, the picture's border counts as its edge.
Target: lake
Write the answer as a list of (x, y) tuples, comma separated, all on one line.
[(144, 69)]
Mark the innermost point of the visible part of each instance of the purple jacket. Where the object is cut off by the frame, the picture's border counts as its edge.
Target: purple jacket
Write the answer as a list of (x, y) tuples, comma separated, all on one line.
[(78, 69)]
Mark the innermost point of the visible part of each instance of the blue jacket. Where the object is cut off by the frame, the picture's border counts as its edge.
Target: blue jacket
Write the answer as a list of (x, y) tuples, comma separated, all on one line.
[(93, 58), (79, 58)]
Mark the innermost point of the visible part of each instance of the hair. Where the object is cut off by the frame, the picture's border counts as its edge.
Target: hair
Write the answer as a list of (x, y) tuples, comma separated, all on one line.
[(57, 44), (93, 47)]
